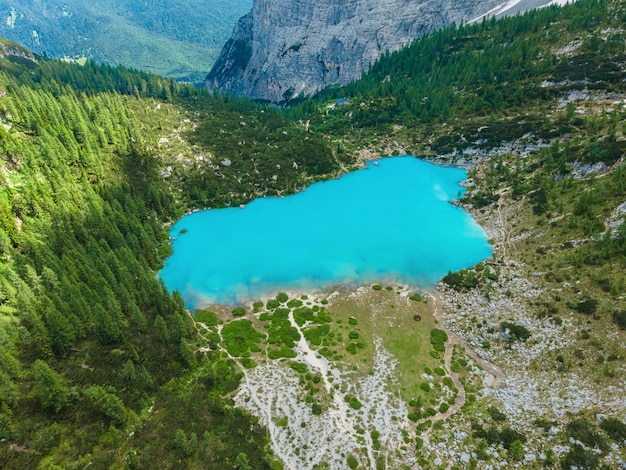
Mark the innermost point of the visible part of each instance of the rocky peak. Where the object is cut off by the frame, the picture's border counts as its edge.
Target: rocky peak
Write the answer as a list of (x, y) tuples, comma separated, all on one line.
[(285, 48)]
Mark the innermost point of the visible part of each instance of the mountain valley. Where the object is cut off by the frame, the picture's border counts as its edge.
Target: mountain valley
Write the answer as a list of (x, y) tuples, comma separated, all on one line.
[(516, 362)]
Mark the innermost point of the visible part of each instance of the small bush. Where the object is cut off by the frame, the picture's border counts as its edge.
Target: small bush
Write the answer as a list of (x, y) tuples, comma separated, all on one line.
[(444, 407), (587, 306), (619, 318), (272, 304), (294, 303), (438, 339), (354, 335), (377, 287), (353, 401), (517, 332), (282, 297), (425, 386), (496, 414), (615, 429), (578, 457), (585, 432), (239, 312), (461, 280), (352, 321), (299, 367), (352, 461), (517, 451)]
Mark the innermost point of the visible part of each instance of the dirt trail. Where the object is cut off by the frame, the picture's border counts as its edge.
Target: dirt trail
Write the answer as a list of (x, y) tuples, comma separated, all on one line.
[(497, 374)]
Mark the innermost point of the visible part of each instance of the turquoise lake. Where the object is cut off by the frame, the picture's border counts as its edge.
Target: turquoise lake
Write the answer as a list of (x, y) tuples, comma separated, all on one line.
[(390, 222)]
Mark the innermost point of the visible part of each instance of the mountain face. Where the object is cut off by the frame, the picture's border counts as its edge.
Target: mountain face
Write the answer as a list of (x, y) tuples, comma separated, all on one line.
[(285, 48), (179, 39)]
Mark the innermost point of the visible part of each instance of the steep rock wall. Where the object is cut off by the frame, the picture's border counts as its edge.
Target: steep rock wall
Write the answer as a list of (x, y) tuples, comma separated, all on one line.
[(284, 48)]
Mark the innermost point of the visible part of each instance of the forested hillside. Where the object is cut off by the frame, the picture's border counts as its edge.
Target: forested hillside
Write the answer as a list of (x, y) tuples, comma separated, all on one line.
[(99, 363), (175, 38)]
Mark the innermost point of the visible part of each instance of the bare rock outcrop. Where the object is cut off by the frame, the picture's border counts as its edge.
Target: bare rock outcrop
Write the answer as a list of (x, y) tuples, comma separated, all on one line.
[(286, 48)]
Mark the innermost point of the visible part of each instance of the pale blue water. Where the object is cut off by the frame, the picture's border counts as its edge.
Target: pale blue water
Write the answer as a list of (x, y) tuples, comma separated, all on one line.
[(386, 223)]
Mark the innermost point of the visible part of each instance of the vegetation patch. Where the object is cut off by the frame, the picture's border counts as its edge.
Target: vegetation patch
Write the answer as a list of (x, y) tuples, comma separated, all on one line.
[(353, 401), (241, 338)]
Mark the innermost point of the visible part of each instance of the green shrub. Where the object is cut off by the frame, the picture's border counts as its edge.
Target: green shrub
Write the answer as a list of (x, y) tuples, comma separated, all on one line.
[(294, 303), (578, 457), (439, 371), (239, 311), (587, 306), (284, 351), (204, 316), (352, 462), (352, 321), (299, 367), (239, 337), (615, 429), (282, 297), (272, 304), (585, 432), (444, 407), (517, 332), (314, 335), (438, 339), (496, 414), (377, 287), (425, 386), (248, 363), (516, 450), (353, 335), (619, 318), (423, 426), (461, 280), (353, 401), (506, 437)]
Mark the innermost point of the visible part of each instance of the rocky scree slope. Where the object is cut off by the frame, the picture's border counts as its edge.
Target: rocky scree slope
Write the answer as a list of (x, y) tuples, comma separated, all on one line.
[(285, 48)]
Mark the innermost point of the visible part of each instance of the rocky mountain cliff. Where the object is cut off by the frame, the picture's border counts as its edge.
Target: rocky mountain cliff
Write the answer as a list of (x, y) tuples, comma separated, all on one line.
[(284, 48)]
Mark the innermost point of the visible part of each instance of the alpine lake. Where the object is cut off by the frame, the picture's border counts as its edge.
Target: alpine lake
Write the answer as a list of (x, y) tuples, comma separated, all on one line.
[(390, 222)]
